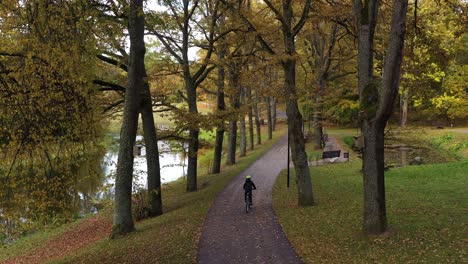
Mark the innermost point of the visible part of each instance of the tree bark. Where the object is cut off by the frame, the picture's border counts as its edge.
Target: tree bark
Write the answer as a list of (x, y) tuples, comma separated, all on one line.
[(404, 109), (299, 156), (193, 142), (377, 104), (232, 142), (250, 114), (234, 102), (221, 107), (273, 108), (317, 117), (270, 119), (257, 118), (122, 220), (192, 160), (243, 130), (375, 218), (152, 154)]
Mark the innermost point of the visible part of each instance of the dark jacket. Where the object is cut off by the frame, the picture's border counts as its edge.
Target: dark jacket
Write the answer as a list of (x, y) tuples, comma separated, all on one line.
[(249, 185)]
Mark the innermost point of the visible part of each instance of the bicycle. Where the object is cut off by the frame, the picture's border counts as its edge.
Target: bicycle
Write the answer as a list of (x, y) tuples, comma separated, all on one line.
[(248, 204)]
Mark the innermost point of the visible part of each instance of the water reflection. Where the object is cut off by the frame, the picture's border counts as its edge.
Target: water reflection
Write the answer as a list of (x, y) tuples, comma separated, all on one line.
[(172, 162)]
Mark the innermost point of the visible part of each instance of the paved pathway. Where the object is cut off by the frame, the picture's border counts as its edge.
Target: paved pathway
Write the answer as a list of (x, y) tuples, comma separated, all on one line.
[(230, 235), (331, 144)]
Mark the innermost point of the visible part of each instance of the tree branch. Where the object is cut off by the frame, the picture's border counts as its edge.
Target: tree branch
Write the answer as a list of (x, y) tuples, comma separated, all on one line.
[(305, 14), (252, 28), (113, 105), (202, 77), (332, 78), (277, 13), (112, 62), (168, 47), (108, 86)]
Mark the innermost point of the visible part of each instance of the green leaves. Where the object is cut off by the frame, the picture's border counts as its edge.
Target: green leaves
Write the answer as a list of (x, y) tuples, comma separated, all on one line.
[(49, 122)]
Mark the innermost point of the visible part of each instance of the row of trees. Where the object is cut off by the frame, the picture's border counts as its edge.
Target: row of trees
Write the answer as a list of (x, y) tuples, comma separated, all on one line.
[(66, 65)]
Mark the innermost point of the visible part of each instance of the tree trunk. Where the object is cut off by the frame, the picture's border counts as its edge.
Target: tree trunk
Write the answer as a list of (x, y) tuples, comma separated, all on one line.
[(299, 156), (375, 219), (122, 220), (270, 119), (250, 114), (232, 142), (152, 154), (218, 150), (273, 108), (234, 102), (221, 107), (377, 104), (243, 130), (257, 119), (192, 160), (193, 136), (404, 109), (318, 129)]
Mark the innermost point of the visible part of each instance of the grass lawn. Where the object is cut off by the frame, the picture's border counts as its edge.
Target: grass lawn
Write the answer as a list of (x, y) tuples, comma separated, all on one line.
[(172, 237), (426, 208)]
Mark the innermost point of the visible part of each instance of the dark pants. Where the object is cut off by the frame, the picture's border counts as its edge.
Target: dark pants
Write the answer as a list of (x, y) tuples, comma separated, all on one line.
[(249, 195)]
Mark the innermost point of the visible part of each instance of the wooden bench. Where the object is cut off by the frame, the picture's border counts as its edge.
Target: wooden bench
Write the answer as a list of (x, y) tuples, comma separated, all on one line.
[(331, 154)]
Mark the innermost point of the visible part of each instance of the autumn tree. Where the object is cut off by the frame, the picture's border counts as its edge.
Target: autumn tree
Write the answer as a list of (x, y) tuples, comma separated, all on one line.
[(377, 99), (174, 29), (327, 51), (289, 30), (221, 52), (49, 125), (112, 19), (432, 83)]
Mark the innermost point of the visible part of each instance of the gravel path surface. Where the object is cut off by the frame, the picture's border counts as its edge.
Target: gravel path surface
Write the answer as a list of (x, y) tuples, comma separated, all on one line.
[(230, 235)]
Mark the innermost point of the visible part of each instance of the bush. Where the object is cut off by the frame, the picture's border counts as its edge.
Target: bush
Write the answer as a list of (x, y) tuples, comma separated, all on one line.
[(348, 140)]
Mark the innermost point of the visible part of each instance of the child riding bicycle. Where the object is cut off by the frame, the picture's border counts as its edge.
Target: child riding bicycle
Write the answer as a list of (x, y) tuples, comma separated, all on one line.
[(248, 186)]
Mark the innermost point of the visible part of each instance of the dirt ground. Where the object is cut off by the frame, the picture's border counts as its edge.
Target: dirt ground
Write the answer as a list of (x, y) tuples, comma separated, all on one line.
[(85, 233)]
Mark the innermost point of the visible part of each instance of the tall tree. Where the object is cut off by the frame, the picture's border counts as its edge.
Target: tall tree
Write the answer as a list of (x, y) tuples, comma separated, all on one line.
[(48, 109), (152, 151), (220, 103), (234, 100), (377, 102), (258, 127), (243, 128), (116, 15), (250, 115), (123, 221), (183, 17), (288, 62), (299, 156)]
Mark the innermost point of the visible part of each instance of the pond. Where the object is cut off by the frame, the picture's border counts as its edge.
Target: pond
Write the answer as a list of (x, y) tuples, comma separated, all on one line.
[(172, 162)]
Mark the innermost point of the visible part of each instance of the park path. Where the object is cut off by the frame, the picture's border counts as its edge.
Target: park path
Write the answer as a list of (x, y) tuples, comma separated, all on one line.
[(331, 144), (229, 235)]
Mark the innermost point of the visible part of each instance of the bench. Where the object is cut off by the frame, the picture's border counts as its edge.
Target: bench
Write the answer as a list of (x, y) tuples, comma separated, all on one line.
[(331, 154)]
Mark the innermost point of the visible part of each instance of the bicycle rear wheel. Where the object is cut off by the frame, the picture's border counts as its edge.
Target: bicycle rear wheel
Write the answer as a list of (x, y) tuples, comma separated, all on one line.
[(247, 207)]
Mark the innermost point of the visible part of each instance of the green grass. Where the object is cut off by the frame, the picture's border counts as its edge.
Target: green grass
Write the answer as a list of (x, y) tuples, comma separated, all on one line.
[(433, 145), (426, 209), (170, 238), (348, 140)]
